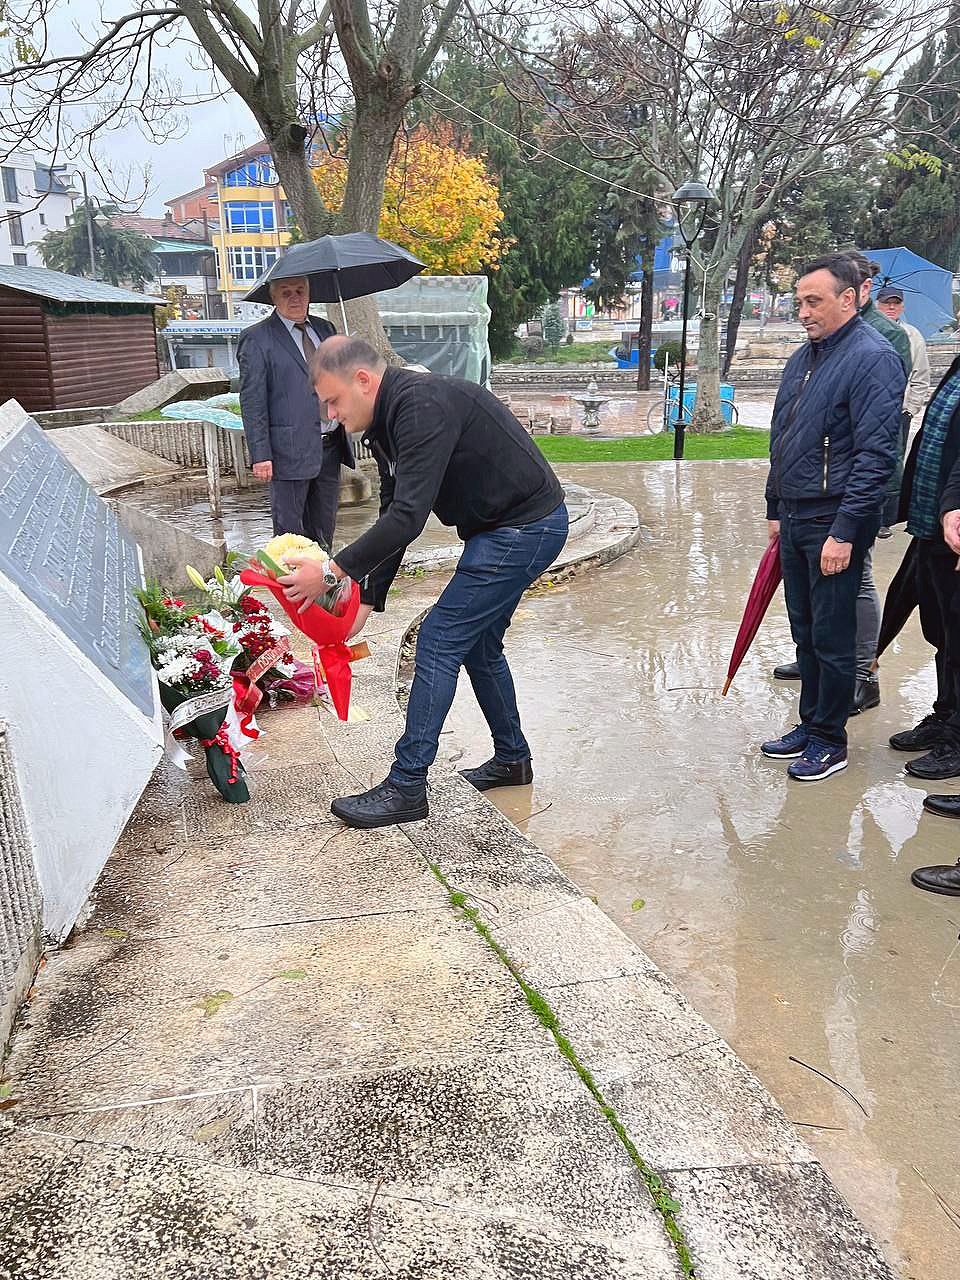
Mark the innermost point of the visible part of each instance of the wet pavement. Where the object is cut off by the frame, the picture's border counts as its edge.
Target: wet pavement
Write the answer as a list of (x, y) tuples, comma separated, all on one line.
[(784, 913)]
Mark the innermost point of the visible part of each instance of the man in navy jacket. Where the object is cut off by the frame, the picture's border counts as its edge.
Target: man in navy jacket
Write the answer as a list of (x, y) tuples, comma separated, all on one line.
[(833, 448)]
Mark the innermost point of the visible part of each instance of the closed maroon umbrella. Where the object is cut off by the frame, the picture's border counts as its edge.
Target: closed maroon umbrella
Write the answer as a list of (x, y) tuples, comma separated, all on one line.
[(761, 593)]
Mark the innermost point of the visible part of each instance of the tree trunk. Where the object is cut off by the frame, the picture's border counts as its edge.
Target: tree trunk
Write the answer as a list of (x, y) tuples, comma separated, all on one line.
[(646, 330), (377, 119), (706, 414), (313, 217), (739, 297)]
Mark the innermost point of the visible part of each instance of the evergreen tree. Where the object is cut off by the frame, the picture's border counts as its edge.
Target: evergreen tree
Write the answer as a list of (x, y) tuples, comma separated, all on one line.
[(918, 201), (122, 256)]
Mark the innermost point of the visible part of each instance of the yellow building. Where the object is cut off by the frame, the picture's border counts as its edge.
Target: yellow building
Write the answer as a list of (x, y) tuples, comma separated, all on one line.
[(254, 220)]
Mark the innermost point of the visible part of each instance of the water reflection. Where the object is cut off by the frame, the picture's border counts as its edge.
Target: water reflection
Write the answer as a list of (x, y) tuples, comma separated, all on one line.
[(784, 912)]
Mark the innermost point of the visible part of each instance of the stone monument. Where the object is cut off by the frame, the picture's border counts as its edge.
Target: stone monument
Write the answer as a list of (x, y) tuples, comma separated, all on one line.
[(77, 691)]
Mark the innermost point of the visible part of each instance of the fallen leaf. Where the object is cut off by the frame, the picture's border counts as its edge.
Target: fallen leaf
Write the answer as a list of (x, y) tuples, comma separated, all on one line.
[(211, 1004), (293, 974), (7, 1103), (6, 1088), (638, 904), (213, 1129), (118, 935)]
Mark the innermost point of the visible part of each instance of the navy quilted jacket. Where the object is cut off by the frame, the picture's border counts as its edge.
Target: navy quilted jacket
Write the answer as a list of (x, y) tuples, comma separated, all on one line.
[(835, 438)]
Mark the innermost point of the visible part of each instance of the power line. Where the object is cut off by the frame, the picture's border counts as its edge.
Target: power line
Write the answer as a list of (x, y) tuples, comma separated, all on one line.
[(547, 155)]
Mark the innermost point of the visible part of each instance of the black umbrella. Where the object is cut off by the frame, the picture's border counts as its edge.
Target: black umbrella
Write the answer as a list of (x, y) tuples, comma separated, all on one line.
[(901, 598), (340, 267)]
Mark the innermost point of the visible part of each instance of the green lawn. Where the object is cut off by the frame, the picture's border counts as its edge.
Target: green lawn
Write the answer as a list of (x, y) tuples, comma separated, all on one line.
[(575, 353), (741, 442)]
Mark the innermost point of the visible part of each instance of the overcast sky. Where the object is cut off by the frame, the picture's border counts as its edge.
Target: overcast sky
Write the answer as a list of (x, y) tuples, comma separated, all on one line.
[(214, 129)]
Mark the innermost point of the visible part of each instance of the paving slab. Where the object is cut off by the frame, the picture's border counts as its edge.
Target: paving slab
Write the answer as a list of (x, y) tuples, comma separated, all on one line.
[(92, 1213)]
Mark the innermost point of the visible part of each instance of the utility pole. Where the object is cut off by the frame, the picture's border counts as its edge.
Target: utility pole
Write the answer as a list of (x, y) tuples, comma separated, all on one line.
[(89, 216)]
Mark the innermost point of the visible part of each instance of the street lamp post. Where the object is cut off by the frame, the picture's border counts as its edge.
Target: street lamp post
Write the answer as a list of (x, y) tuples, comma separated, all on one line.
[(88, 214), (697, 195)]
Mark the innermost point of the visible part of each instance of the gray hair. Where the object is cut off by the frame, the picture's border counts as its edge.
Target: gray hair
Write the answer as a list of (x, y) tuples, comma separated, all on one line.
[(344, 355)]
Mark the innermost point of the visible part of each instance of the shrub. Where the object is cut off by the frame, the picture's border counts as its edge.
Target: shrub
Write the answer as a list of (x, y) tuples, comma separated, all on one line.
[(669, 348)]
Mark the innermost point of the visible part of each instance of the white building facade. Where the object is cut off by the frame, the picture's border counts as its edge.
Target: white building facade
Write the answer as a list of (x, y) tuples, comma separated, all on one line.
[(34, 199)]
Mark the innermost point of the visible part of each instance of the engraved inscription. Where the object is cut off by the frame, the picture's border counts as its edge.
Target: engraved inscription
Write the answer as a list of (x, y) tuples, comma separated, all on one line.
[(66, 551)]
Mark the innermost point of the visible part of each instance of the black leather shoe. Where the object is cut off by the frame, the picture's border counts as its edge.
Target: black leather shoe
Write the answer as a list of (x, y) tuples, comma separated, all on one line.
[(884, 532), (381, 806), (943, 806), (788, 671), (942, 762), (866, 696), (938, 880), (497, 773), (928, 733)]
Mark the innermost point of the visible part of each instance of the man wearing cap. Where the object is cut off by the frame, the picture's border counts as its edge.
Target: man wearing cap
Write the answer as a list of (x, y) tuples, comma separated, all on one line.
[(890, 301), (291, 446)]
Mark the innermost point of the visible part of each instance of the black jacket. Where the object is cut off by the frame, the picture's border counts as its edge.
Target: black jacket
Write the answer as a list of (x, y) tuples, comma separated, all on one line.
[(949, 461), (835, 436), (279, 407), (449, 446)]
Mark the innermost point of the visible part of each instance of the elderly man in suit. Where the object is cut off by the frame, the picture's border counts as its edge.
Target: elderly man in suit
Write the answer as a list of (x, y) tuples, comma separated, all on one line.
[(291, 445)]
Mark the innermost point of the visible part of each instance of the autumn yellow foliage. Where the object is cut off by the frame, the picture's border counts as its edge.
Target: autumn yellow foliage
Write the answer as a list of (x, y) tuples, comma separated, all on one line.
[(439, 203)]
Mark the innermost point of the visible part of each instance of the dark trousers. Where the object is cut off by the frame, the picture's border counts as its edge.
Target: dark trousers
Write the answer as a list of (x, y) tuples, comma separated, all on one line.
[(823, 618), (309, 507), (938, 591), (465, 628)]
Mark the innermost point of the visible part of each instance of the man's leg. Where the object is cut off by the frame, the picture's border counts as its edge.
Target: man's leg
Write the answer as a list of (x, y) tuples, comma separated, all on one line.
[(494, 571), (323, 497), (494, 690), (794, 563), (869, 613), (833, 599), (288, 498)]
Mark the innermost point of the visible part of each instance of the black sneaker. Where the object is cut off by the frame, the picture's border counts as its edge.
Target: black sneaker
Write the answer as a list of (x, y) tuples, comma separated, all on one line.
[(381, 806), (499, 773), (928, 733), (942, 762), (788, 671)]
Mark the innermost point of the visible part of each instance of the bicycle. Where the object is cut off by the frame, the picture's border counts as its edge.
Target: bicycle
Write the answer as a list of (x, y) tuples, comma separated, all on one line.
[(663, 414)]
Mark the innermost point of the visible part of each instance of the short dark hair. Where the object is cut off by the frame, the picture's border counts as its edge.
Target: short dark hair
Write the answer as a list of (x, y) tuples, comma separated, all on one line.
[(345, 356), (841, 266)]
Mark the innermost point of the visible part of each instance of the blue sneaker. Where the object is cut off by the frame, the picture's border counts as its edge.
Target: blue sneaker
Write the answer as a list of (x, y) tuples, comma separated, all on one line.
[(788, 747), (818, 761)]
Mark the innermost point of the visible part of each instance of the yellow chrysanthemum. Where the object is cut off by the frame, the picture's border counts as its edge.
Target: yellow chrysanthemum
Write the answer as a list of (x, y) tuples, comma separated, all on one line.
[(294, 544)]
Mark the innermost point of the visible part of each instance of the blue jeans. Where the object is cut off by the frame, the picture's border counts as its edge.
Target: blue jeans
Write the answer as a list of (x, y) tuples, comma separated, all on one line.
[(465, 628), (823, 618)]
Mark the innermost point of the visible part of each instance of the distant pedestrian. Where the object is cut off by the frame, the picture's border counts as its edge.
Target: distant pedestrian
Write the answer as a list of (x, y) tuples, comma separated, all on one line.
[(833, 449), (890, 300), (930, 503)]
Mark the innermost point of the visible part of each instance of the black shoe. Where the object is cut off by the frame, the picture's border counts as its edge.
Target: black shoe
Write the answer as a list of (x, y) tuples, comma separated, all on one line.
[(943, 806), (788, 671), (942, 762), (497, 773), (381, 806), (928, 733), (866, 695), (938, 880), (884, 532)]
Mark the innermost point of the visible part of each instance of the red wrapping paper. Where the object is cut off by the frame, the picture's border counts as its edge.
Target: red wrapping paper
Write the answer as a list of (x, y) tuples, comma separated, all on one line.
[(329, 635)]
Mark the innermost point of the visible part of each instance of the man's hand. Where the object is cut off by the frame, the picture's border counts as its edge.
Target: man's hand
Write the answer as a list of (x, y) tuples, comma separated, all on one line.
[(363, 613), (773, 529), (951, 530), (835, 556), (263, 470), (306, 582)]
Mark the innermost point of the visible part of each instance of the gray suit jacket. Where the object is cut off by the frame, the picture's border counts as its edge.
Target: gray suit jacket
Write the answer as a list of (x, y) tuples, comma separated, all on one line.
[(279, 407)]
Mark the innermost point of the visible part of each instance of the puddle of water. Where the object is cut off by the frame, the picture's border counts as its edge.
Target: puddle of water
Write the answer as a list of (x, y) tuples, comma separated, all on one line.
[(246, 515), (785, 913)]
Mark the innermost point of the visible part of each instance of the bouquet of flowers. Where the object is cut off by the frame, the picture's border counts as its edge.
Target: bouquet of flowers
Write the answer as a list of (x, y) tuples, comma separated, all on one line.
[(265, 668), (193, 656), (326, 622)]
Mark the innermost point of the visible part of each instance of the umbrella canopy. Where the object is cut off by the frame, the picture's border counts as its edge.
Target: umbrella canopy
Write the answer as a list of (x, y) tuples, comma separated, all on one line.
[(901, 598), (339, 267), (927, 288), (761, 593)]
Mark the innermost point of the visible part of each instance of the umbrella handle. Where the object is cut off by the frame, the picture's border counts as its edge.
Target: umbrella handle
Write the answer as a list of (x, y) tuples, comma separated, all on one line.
[(343, 310)]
